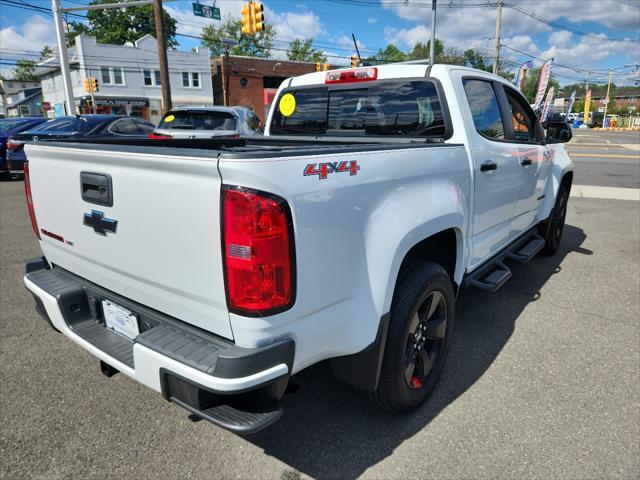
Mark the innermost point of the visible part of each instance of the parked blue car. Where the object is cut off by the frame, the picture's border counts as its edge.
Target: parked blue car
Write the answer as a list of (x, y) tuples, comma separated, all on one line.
[(11, 126), (79, 126)]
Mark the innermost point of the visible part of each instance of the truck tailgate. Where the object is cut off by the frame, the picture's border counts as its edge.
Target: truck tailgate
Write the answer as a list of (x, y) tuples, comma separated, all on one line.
[(166, 249)]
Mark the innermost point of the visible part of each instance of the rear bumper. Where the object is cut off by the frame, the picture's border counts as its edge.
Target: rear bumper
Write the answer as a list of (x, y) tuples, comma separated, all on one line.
[(237, 388)]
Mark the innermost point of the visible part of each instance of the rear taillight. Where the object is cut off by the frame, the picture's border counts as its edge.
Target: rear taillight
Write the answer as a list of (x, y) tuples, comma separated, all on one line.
[(14, 146), (159, 136), (350, 76), (27, 191), (258, 252)]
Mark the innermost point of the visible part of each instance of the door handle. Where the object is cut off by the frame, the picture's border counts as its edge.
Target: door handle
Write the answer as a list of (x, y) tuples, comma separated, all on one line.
[(526, 162), (96, 188), (488, 166)]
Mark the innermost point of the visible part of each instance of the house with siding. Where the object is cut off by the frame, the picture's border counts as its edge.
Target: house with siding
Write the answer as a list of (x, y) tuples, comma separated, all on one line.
[(128, 78)]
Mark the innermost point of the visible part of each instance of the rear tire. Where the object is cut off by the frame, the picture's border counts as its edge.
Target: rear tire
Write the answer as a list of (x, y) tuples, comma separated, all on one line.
[(418, 338), (554, 227)]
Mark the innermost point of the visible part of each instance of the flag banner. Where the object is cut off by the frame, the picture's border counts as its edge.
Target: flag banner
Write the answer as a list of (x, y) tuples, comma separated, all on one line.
[(587, 104), (545, 74), (547, 104), (572, 99), (522, 72)]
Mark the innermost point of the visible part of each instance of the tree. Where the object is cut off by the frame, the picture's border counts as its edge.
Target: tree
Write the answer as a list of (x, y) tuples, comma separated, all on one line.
[(303, 51), (257, 45), (24, 70), (119, 26), (422, 51), (46, 52), (531, 84), (389, 54), (475, 59)]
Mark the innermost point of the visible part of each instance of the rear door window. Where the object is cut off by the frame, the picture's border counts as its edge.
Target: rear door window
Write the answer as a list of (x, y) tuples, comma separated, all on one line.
[(485, 109), (198, 120), (125, 126), (402, 108)]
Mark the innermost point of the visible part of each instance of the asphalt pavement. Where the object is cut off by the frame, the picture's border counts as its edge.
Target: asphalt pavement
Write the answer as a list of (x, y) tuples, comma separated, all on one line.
[(543, 380), (606, 158)]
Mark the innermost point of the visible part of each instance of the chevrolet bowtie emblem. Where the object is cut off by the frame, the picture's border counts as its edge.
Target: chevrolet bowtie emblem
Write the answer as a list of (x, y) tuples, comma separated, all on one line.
[(100, 223)]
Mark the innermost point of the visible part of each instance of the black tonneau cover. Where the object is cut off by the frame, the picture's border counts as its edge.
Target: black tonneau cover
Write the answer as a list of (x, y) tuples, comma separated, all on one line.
[(250, 147)]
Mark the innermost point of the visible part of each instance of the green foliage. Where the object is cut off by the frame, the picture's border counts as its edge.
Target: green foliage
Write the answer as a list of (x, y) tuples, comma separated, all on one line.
[(302, 51), (118, 26), (46, 52), (422, 51), (475, 59), (257, 45), (531, 84), (24, 70), (389, 54)]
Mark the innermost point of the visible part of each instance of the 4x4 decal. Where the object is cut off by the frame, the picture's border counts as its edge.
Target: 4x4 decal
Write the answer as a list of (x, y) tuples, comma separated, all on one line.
[(324, 169)]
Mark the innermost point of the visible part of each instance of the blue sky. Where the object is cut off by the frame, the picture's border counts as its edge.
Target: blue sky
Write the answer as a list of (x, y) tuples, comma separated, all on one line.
[(583, 35)]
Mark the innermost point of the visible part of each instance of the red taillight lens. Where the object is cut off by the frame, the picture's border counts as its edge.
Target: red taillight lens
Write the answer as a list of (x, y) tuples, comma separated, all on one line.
[(27, 191), (159, 136), (14, 146), (258, 252)]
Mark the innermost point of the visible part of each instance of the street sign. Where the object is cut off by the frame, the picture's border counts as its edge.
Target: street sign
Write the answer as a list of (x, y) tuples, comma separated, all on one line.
[(206, 11)]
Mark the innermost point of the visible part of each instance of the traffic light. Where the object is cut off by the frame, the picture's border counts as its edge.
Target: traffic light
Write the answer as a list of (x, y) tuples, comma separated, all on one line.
[(354, 61), (325, 66), (247, 27), (94, 84), (258, 17), (318, 66), (87, 85)]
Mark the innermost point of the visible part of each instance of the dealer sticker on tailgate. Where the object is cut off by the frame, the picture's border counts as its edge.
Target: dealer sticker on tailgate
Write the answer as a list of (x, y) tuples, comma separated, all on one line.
[(120, 319)]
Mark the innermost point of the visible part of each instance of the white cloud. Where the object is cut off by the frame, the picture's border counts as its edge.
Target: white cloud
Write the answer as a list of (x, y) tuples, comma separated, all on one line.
[(32, 35), (372, 21)]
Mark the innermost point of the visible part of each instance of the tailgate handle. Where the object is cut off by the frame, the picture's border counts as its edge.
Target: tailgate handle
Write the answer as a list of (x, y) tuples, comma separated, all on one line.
[(96, 188)]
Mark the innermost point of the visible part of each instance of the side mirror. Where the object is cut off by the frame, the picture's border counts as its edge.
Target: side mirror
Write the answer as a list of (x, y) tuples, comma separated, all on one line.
[(557, 132)]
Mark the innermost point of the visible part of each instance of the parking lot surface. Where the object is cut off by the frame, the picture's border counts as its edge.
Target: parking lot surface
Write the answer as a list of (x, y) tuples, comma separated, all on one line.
[(543, 381)]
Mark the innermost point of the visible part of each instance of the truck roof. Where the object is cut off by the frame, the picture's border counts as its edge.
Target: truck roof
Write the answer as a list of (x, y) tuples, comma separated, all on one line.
[(390, 71)]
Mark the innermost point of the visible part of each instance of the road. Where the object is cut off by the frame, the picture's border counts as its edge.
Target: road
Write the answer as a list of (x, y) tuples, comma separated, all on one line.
[(606, 158), (543, 381)]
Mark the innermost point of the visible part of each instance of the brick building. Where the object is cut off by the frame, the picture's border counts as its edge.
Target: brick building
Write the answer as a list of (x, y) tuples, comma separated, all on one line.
[(252, 82)]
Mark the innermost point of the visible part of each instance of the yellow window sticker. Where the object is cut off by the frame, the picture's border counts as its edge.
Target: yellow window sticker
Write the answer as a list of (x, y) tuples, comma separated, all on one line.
[(169, 118), (287, 105)]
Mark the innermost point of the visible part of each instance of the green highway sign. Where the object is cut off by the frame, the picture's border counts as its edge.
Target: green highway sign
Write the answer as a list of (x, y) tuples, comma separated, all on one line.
[(206, 11)]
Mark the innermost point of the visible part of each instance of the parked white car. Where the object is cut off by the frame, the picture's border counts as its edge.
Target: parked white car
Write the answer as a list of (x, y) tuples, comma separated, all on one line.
[(207, 122), (214, 270)]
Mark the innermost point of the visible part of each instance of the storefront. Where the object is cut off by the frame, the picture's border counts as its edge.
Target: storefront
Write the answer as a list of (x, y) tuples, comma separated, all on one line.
[(134, 107)]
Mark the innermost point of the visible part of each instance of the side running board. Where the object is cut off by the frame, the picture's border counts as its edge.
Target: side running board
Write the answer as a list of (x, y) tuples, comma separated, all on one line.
[(493, 275), (492, 280), (529, 250)]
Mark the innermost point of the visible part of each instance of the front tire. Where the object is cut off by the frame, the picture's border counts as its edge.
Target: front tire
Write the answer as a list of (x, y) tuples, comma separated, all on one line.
[(555, 225), (418, 338)]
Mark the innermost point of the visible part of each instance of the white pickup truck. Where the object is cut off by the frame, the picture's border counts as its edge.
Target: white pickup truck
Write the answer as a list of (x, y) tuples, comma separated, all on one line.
[(214, 270)]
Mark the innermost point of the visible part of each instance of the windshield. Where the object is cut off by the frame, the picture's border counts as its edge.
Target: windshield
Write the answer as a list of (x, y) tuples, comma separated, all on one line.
[(404, 108), (68, 125), (198, 120), (6, 125)]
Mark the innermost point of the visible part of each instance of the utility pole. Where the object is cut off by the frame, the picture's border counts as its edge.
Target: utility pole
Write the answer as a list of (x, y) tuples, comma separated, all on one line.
[(607, 100), (64, 58), (496, 50), (586, 88), (162, 56), (432, 50)]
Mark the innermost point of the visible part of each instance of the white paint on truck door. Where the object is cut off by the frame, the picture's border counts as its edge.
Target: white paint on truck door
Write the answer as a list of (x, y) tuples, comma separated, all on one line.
[(495, 163)]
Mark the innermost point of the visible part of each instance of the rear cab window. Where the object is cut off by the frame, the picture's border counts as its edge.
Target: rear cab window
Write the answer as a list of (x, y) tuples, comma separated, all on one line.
[(198, 120), (409, 108)]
